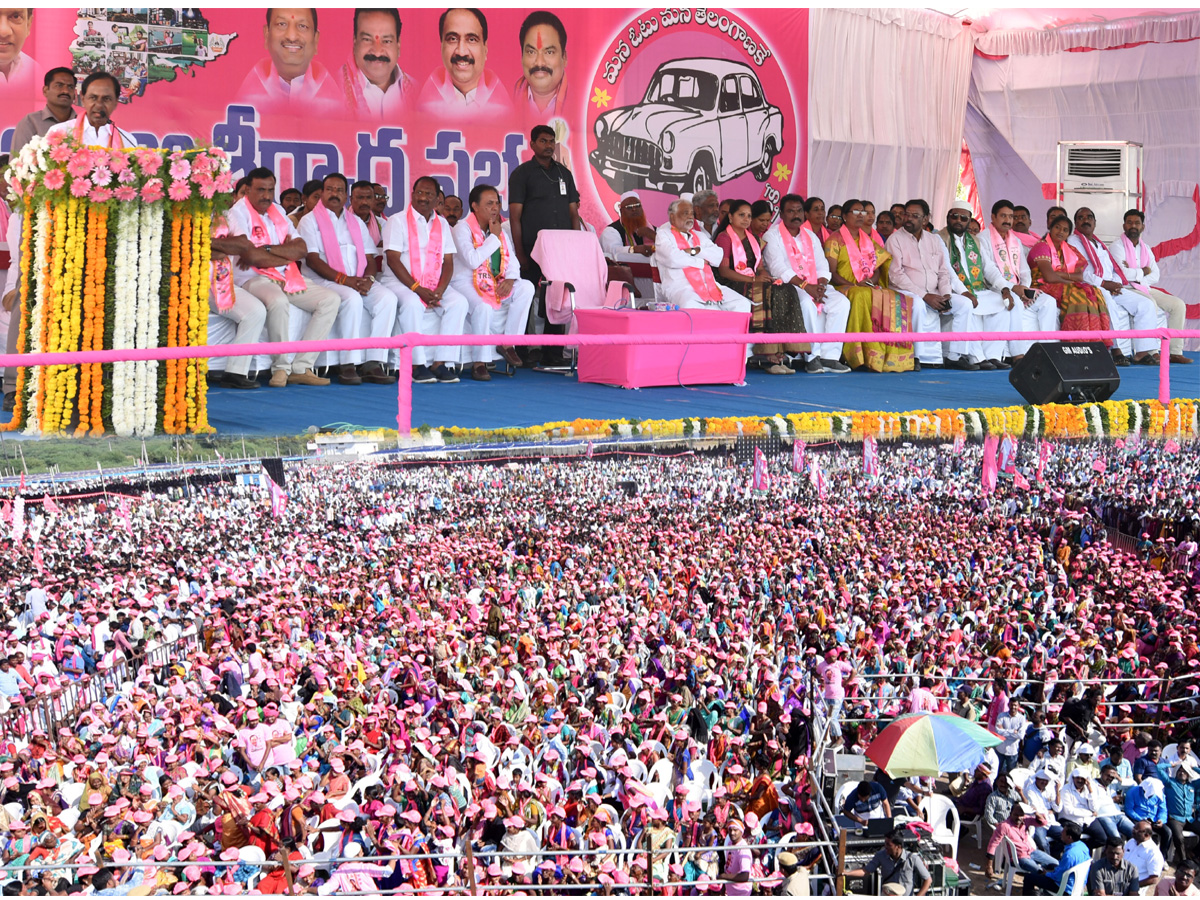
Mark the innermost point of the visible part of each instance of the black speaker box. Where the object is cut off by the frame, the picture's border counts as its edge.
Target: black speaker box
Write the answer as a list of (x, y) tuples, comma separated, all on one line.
[(1066, 373), (629, 487)]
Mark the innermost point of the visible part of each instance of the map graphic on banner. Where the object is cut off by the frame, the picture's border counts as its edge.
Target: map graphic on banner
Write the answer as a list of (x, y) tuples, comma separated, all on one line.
[(665, 102)]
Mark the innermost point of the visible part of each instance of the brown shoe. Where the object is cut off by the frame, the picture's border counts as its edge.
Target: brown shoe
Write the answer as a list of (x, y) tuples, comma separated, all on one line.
[(346, 374), (510, 356), (308, 376), (373, 373), (1178, 359), (279, 378), (479, 372)]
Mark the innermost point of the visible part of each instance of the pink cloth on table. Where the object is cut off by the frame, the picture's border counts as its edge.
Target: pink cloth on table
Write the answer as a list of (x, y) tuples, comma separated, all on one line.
[(648, 365)]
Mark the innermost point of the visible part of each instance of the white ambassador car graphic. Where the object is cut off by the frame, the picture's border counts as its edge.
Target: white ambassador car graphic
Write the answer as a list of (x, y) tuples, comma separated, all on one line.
[(701, 123)]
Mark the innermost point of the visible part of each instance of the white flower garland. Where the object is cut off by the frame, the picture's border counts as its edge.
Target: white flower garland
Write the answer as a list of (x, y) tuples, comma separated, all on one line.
[(42, 231), (1136, 424), (124, 414), (1097, 422), (149, 306)]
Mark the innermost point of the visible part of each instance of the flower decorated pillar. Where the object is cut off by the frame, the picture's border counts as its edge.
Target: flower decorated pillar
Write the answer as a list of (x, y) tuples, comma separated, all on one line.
[(114, 254)]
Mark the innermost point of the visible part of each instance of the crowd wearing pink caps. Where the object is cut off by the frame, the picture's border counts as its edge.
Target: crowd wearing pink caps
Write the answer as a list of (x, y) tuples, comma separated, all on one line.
[(525, 660)]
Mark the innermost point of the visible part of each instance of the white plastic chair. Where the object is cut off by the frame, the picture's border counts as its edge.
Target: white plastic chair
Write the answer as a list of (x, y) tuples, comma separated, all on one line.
[(938, 810), (842, 793), (1005, 865), (69, 817), (708, 778), (71, 793), (251, 855), (976, 827), (1080, 872)]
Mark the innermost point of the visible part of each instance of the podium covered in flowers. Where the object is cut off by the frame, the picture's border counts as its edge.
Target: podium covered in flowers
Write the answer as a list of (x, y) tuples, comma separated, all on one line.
[(114, 254)]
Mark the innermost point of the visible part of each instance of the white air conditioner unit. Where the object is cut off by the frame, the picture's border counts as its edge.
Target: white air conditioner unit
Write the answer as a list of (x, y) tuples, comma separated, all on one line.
[(1105, 176)]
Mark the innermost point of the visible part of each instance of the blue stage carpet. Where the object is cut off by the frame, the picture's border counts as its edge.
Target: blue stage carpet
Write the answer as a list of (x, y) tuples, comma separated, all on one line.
[(531, 398)]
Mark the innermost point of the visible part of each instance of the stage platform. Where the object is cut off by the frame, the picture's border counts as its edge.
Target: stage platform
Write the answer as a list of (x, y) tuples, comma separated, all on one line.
[(533, 398)]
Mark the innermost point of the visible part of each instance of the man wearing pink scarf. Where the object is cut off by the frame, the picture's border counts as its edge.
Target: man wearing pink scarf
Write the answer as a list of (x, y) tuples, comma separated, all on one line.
[(685, 256), (340, 258), (1135, 259)]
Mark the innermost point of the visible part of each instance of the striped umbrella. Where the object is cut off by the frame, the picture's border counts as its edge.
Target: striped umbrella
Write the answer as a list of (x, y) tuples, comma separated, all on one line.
[(930, 744)]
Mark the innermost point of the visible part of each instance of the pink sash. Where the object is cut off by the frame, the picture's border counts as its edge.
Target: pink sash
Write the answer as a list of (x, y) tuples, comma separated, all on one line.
[(862, 260), (1007, 250), (799, 253), (426, 268), (876, 238), (701, 279), (220, 273), (115, 142), (1028, 239), (373, 228), (738, 251), (1066, 260), (1093, 257), (330, 244), (291, 279), (483, 278), (1140, 256)]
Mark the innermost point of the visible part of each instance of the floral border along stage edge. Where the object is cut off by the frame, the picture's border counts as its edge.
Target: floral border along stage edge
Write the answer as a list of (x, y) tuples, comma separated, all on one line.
[(1111, 419), (114, 254)]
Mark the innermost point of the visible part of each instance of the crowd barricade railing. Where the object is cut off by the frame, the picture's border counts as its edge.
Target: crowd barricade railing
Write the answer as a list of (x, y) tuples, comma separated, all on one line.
[(405, 343)]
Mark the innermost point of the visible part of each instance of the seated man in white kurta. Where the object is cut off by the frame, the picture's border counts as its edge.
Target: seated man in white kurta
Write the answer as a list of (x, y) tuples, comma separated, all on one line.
[(418, 265), (977, 278), (488, 273), (1136, 260), (340, 258), (685, 256), (1004, 247), (794, 255)]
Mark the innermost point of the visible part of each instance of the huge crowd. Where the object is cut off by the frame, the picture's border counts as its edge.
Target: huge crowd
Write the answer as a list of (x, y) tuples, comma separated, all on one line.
[(525, 661)]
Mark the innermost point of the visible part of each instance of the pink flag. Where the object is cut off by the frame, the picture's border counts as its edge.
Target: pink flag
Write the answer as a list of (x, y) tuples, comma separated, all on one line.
[(589, 450), (1100, 466), (1021, 481), (1171, 446), (818, 478), (1008, 455), (799, 451), (870, 456), (277, 495), (37, 558), (761, 480), (960, 441), (990, 470), (5, 512), (18, 518), (1044, 450), (123, 515), (50, 506)]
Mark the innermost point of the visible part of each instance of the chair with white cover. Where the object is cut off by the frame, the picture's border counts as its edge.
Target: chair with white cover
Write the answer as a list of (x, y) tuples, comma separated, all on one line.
[(69, 817), (843, 792), (71, 793), (940, 812), (1005, 864)]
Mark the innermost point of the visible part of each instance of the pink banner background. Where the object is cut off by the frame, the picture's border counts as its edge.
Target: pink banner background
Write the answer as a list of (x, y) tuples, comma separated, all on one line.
[(611, 58)]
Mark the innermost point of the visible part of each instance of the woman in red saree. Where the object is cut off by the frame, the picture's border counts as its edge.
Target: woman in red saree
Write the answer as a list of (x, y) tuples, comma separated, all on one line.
[(1058, 270)]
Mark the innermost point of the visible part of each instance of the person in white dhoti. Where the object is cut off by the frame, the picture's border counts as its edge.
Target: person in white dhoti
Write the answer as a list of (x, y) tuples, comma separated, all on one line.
[(340, 258), (685, 256), (978, 279), (1135, 259), (794, 256), (488, 273), (1128, 309), (418, 266), (1004, 247), (919, 269)]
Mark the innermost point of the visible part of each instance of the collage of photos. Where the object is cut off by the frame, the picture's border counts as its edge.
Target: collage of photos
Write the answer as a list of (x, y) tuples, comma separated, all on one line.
[(141, 45)]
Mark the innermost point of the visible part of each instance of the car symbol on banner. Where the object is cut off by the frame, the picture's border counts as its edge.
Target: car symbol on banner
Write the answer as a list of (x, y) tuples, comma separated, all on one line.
[(701, 123)]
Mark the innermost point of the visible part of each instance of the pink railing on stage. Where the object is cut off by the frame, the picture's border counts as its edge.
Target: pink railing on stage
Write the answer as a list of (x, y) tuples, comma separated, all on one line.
[(405, 343)]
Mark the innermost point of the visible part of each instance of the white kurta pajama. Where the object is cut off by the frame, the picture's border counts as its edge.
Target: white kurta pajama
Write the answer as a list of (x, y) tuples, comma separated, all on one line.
[(513, 315), (412, 315), (378, 303), (992, 309), (671, 264), (1169, 305), (1128, 309), (1038, 314), (920, 267), (834, 312)]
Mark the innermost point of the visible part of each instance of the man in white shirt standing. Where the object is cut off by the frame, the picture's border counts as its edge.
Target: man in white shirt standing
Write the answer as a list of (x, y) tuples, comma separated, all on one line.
[(685, 256), (1128, 309), (271, 272), (418, 265), (1003, 246), (795, 256), (488, 273), (1011, 726), (341, 258), (1136, 261), (95, 128), (372, 82)]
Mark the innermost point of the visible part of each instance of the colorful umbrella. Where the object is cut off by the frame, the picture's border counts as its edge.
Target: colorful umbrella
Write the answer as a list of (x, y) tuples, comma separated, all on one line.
[(930, 744)]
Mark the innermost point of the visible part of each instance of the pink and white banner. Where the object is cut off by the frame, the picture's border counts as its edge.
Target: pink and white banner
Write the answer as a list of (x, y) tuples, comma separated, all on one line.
[(663, 101), (761, 480)]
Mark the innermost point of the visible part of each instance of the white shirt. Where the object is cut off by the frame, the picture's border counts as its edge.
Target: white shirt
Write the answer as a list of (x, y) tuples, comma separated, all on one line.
[(615, 249), (1011, 726), (991, 275), (1146, 856), (1090, 275), (779, 264), (1131, 268), (469, 257), (377, 99), (239, 223), (672, 261), (341, 229), (21, 71), (93, 137), (395, 237), (984, 238)]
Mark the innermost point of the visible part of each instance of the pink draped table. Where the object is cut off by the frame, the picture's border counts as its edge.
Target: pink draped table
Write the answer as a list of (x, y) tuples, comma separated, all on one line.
[(632, 365)]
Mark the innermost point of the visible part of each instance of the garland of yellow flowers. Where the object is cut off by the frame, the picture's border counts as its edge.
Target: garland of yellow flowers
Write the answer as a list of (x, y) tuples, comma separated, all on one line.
[(199, 334), (22, 309), (180, 324), (89, 304), (170, 414), (55, 263), (100, 280), (192, 313)]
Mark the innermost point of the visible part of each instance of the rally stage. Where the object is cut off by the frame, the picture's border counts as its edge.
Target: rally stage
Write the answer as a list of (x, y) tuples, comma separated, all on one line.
[(533, 398)]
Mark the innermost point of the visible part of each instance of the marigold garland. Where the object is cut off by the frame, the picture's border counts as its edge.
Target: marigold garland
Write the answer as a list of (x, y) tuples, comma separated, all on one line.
[(77, 259)]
